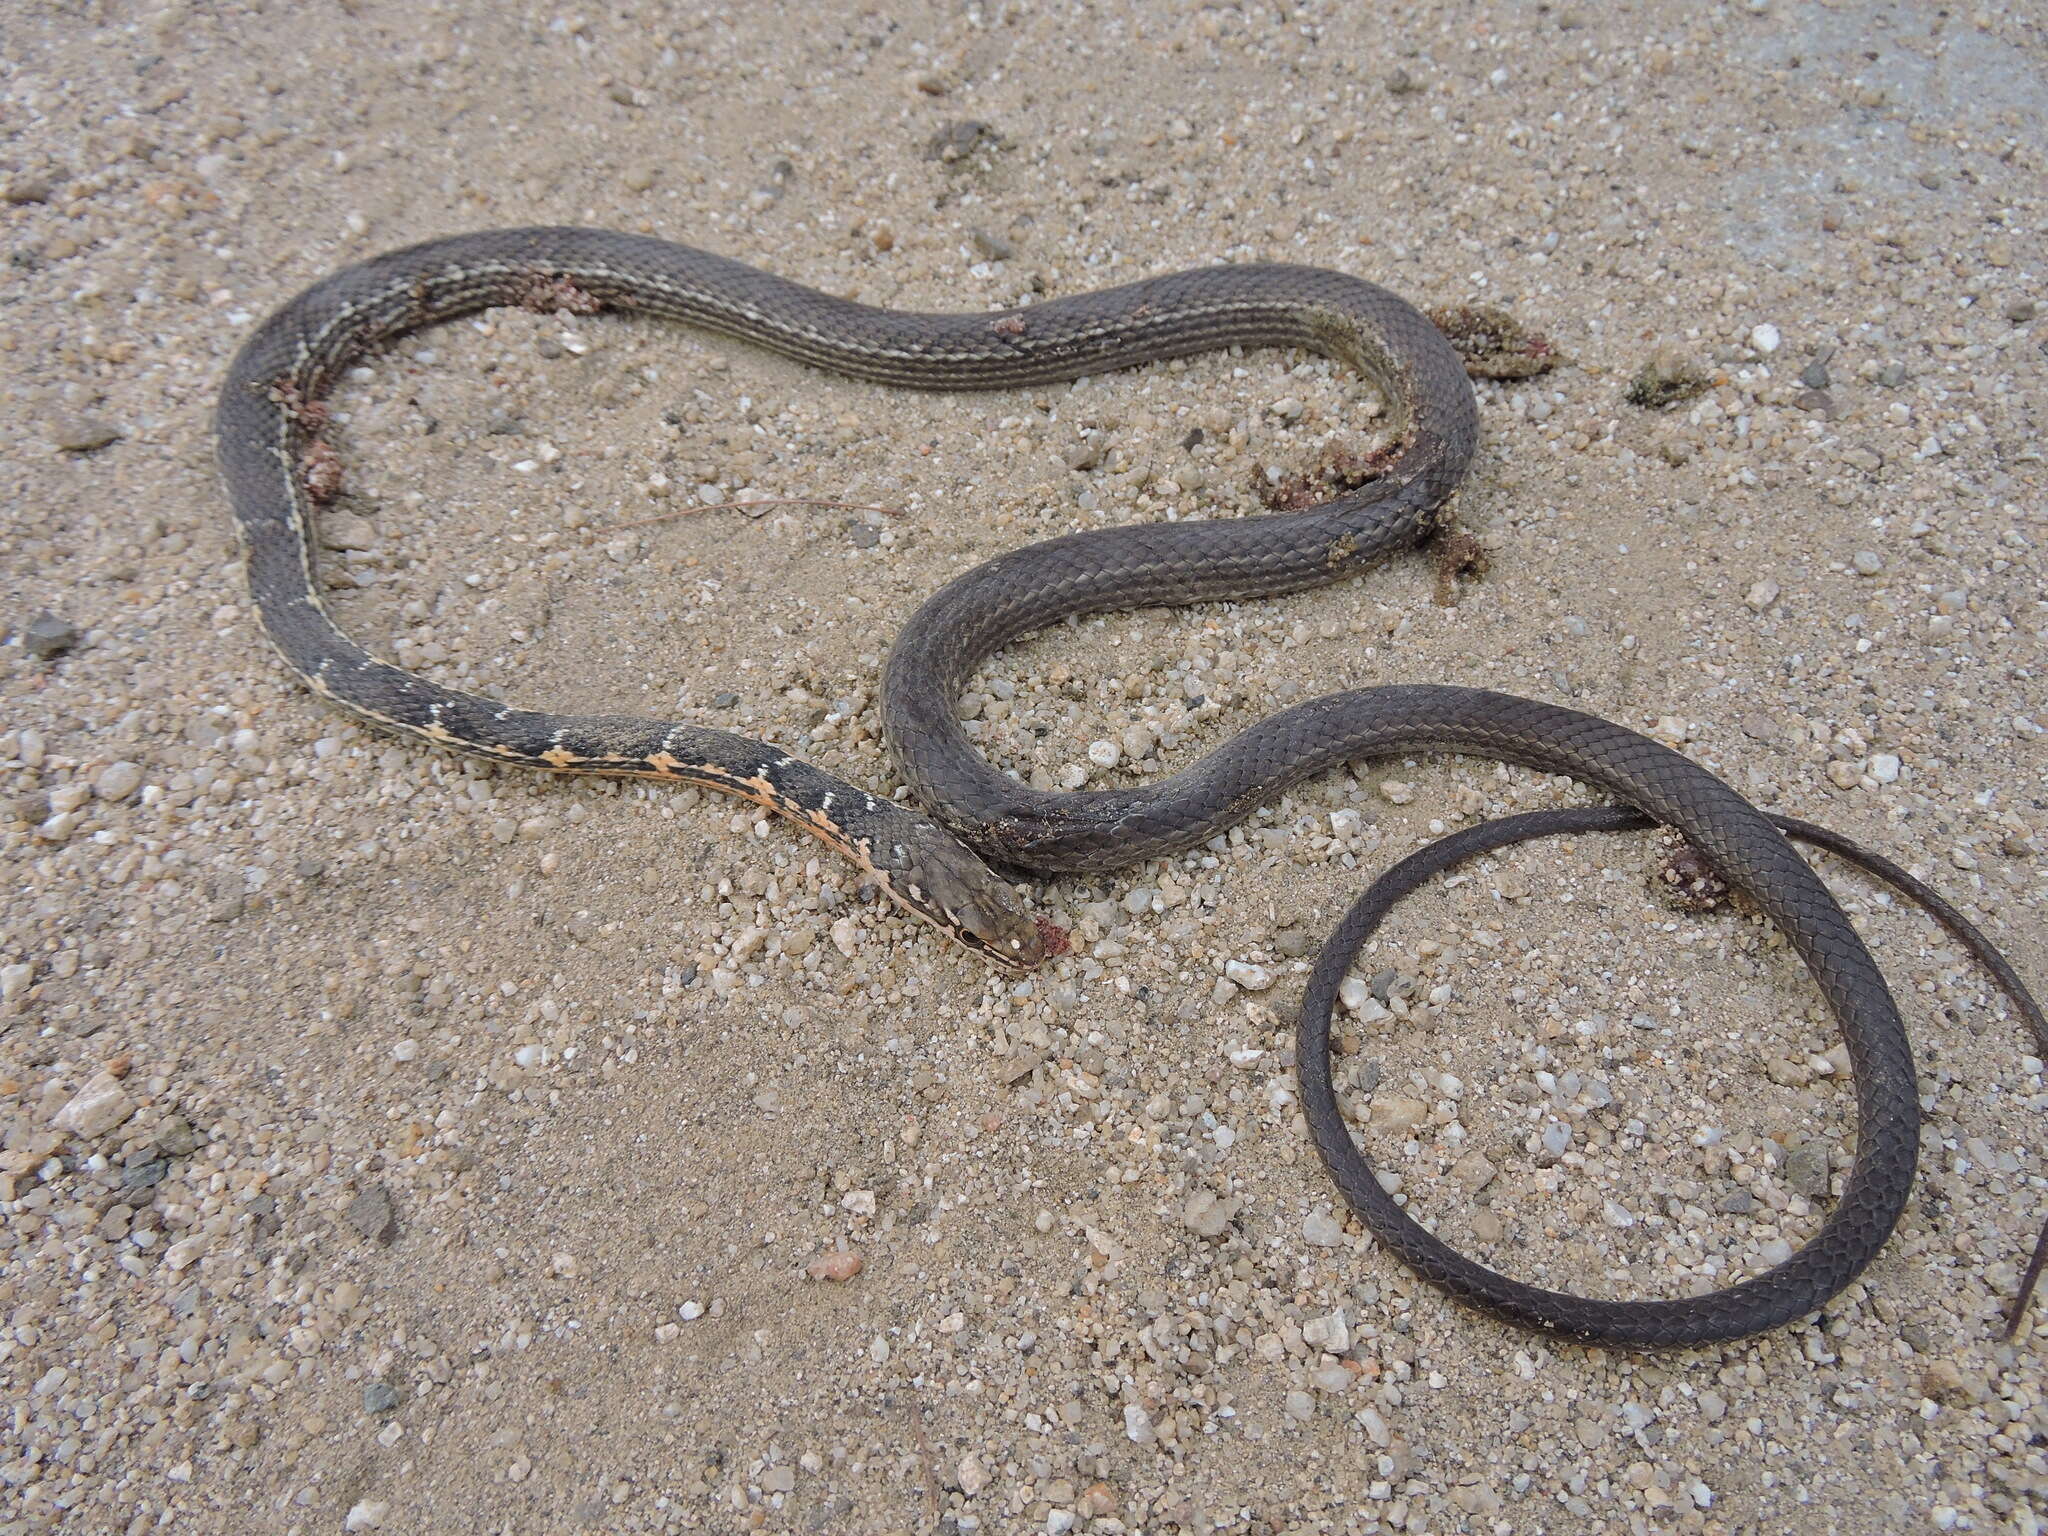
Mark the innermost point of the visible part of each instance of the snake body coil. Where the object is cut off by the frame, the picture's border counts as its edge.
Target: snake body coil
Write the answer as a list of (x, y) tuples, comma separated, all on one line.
[(268, 437)]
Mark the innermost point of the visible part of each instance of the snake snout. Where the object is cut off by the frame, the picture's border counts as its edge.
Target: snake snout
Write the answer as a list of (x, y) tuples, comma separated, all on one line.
[(944, 883)]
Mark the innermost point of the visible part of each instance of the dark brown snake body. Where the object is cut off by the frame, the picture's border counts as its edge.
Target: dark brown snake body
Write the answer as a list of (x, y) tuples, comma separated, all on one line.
[(274, 464)]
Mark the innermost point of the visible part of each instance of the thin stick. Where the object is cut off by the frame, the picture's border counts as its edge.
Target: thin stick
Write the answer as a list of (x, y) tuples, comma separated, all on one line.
[(764, 501)]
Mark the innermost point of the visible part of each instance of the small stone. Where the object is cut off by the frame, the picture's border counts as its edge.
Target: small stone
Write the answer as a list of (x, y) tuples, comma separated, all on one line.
[(48, 637), (1473, 1172), (1761, 594), (379, 1397), (1294, 942), (1884, 768), (1845, 775), (370, 1214), (81, 434), (1299, 1406), (1104, 753), (1868, 562), (1287, 407), (2020, 311), (639, 179), (22, 190), (1617, 1215), (1806, 1169), (1322, 1230), (99, 1106), (1331, 1333), (16, 979), (1765, 338), (956, 141), (1253, 978), (1390, 1112), (1396, 791), (366, 1516), (1207, 1216), (973, 1477), (117, 781), (184, 1254), (1486, 1226), (837, 1267), (1815, 375), (1787, 1074), (1737, 1202), (1138, 1425), (991, 245)]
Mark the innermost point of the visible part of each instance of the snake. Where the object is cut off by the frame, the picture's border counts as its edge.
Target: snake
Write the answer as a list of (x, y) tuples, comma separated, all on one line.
[(952, 854)]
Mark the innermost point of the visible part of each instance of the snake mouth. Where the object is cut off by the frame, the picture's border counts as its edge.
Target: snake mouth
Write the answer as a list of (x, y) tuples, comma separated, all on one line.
[(938, 879)]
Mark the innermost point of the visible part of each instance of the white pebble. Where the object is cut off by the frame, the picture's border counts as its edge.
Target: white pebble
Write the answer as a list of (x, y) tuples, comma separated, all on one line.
[(1138, 1425), (366, 1516), (1104, 753), (15, 979), (100, 1105), (1253, 978), (1765, 338), (1884, 768), (1322, 1230)]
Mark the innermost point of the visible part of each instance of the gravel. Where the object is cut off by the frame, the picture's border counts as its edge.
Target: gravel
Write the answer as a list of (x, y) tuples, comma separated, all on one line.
[(618, 1069)]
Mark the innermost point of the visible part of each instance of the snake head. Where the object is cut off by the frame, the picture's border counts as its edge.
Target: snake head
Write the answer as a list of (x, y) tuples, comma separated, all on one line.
[(931, 874)]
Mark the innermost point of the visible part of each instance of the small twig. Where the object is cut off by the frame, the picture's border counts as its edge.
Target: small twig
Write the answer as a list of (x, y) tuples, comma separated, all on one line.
[(764, 501), (930, 1459)]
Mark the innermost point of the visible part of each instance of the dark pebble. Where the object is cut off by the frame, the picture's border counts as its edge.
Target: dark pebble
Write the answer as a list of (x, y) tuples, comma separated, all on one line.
[(1818, 401), (144, 1176), (956, 141), (379, 1397), (1383, 986), (991, 245), (1401, 83), (725, 701), (178, 1139), (1737, 1202), (370, 1214), (48, 637), (1892, 375), (1815, 376), (310, 869), (1806, 1168), (863, 536)]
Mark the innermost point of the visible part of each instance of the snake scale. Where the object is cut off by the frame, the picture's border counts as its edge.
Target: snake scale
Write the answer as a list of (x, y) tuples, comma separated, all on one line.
[(278, 469)]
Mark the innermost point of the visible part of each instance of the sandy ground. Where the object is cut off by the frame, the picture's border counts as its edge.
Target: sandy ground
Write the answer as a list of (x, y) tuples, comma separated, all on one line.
[(393, 1143)]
